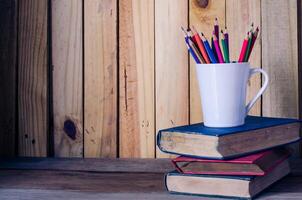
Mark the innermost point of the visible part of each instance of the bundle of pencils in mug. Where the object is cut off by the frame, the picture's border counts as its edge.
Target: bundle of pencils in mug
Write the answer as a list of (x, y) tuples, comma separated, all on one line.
[(203, 52)]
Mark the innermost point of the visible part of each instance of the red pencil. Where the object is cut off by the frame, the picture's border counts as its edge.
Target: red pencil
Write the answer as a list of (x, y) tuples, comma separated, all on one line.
[(243, 49), (200, 45), (190, 34)]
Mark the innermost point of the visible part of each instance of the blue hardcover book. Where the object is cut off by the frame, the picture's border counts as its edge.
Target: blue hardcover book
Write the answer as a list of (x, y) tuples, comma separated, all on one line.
[(242, 187), (257, 134)]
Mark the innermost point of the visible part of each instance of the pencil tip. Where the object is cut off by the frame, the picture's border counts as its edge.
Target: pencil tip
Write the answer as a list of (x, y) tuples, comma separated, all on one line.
[(184, 31), (252, 24), (216, 18), (201, 33)]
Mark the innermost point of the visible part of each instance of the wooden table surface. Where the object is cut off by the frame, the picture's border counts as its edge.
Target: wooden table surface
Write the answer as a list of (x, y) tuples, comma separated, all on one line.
[(53, 178)]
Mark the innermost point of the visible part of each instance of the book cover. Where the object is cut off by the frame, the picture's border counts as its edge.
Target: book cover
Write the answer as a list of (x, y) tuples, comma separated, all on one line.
[(257, 134), (257, 164)]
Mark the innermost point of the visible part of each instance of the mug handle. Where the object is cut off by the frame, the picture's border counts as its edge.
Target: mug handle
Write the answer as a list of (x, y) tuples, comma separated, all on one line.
[(263, 88)]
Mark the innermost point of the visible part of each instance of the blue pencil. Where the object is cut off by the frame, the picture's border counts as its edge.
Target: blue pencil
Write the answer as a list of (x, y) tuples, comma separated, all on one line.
[(192, 52), (208, 49), (190, 49)]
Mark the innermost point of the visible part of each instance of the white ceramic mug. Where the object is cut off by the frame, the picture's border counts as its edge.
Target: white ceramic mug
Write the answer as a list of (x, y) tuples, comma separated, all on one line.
[(223, 92)]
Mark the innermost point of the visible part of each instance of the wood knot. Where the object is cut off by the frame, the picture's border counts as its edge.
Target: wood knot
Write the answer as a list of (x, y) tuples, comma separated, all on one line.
[(70, 129), (202, 3)]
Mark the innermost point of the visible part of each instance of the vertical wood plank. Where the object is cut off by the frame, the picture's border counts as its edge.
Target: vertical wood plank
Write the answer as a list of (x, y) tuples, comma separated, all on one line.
[(202, 17), (171, 65), (8, 50), (299, 19), (136, 74), (100, 65), (67, 77), (32, 77), (279, 58), (239, 16)]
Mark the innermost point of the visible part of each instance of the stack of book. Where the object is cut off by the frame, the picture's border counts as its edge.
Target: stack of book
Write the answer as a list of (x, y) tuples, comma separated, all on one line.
[(228, 162)]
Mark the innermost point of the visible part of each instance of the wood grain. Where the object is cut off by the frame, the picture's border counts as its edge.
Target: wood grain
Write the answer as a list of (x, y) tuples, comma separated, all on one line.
[(67, 59), (146, 165), (136, 79), (202, 17), (239, 16), (171, 65), (8, 58), (45, 194), (100, 57), (82, 181), (32, 77), (279, 58)]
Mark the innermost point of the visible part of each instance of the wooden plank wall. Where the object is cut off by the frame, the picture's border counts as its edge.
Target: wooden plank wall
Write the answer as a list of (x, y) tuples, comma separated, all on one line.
[(281, 99), (32, 78), (8, 63), (100, 80), (67, 61), (121, 70), (136, 79), (171, 67)]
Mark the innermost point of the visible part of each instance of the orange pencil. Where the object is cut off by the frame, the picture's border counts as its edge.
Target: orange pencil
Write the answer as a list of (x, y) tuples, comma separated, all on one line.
[(200, 45), (243, 49)]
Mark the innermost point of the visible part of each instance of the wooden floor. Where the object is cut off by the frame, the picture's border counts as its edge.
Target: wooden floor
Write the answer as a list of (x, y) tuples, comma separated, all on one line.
[(46, 178)]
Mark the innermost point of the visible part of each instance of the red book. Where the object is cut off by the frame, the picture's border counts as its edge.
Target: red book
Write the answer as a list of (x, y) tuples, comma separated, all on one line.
[(257, 164)]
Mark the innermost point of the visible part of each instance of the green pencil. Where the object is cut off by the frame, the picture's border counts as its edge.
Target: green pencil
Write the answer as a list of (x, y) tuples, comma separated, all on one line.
[(248, 47), (225, 50)]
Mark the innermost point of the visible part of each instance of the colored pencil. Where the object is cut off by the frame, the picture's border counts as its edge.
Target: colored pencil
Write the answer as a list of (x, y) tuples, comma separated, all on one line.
[(196, 50), (191, 51), (248, 47), (216, 28), (190, 41), (218, 50), (200, 46), (252, 27), (208, 49), (243, 49), (204, 52), (193, 54), (225, 51), (213, 47), (254, 37), (190, 34), (226, 36)]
